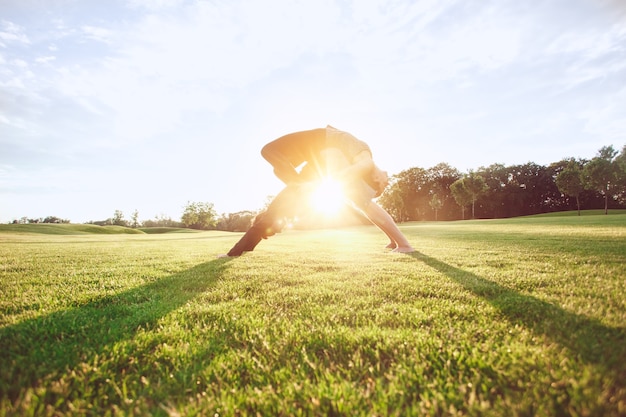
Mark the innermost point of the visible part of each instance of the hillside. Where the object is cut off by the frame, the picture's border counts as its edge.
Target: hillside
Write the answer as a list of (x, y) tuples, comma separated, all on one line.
[(66, 229)]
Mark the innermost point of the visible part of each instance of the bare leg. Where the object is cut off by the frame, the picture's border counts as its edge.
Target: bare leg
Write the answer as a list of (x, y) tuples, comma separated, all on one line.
[(385, 222)]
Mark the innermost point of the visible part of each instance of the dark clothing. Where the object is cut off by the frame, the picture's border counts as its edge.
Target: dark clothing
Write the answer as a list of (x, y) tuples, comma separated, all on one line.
[(288, 153), (271, 221)]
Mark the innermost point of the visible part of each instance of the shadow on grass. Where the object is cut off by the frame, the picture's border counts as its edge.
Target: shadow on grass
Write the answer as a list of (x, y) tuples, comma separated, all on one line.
[(48, 346), (585, 337)]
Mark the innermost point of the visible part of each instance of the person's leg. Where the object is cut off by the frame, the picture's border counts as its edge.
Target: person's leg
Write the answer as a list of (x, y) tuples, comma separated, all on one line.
[(361, 194), (264, 226), (247, 242), (385, 222), (289, 151), (270, 221)]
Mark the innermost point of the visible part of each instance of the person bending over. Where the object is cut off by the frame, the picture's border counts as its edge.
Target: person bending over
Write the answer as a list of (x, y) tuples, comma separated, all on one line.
[(324, 152)]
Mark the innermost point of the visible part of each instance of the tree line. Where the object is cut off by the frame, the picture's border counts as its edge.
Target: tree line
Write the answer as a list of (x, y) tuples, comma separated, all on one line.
[(48, 219), (196, 215), (497, 191)]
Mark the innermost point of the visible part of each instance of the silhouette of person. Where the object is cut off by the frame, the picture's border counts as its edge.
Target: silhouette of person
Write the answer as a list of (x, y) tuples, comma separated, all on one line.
[(321, 152)]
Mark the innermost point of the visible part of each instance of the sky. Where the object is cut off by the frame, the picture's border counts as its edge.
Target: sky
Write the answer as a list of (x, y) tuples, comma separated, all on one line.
[(146, 105)]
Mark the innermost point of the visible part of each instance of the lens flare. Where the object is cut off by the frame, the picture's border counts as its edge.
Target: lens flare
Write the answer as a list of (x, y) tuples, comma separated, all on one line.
[(328, 197)]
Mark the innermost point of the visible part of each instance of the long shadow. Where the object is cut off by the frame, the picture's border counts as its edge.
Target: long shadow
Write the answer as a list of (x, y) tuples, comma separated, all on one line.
[(586, 337), (49, 345)]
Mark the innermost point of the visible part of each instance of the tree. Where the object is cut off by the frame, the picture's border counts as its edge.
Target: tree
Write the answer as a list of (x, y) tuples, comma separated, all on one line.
[(601, 173), (531, 190), (439, 179), (199, 216), (162, 221), (118, 218), (134, 219), (461, 195), (54, 219), (494, 200), (393, 203), (570, 182), (236, 222), (412, 187), (620, 162), (475, 186), (436, 204)]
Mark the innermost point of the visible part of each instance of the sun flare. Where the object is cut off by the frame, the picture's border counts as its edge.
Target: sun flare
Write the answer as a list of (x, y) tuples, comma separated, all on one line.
[(328, 197)]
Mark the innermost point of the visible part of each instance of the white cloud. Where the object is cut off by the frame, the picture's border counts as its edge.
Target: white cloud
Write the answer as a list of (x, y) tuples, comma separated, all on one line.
[(45, 59), (195, 60), (592, 54), (589, 44), (12, 33), (97, 33), (419, 44), (154, 5), (16, 75), (19, 63), (199, 58), (583, 72)]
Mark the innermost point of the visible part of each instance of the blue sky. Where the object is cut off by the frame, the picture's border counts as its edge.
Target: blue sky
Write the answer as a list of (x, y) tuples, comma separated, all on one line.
[(146, 105)]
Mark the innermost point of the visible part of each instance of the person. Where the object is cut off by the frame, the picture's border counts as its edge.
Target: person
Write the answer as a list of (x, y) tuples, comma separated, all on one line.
[(320, 153)]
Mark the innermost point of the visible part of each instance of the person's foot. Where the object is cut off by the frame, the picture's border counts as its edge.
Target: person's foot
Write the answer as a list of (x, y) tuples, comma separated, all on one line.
[(403, 249), (225, 255), (391, 245)]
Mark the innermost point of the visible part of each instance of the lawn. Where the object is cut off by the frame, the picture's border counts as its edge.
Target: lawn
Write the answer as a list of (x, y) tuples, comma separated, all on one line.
[(517, 317)]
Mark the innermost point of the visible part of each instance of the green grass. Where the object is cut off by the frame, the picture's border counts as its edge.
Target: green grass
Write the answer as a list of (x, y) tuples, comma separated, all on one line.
[(582, 213), (159, 230), (498, 317)]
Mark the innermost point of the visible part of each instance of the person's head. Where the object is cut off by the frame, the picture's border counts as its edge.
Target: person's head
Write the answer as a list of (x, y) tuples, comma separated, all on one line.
[(381, 179)]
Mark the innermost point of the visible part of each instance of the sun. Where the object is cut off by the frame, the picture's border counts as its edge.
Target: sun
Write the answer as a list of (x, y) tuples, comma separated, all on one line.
[(328, 197)]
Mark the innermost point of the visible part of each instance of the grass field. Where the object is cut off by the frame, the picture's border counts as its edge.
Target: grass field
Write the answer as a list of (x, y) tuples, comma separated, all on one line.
[(517, 317)]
